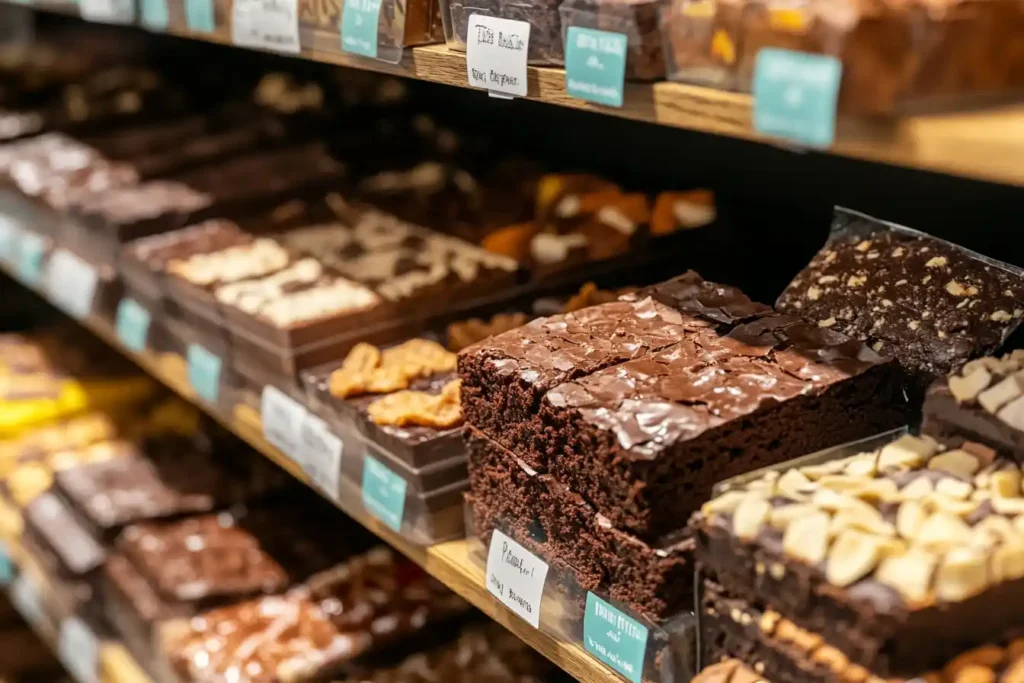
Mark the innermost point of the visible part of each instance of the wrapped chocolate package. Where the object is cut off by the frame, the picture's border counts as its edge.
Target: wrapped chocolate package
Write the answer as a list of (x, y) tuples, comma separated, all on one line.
[(401, 24), (545, 47), (638, 20)]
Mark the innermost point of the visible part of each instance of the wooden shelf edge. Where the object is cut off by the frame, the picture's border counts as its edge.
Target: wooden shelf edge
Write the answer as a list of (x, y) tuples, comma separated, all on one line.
[(448, 562), (983, 145)]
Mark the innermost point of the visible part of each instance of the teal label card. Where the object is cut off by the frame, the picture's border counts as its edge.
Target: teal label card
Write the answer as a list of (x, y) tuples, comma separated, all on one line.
[(595, 65), (31, 249), (155, 15), (6, 566), (383, 493), (132, 324), (795, 96), (359, 27), (204, 372), (615, 638), (199, 15)]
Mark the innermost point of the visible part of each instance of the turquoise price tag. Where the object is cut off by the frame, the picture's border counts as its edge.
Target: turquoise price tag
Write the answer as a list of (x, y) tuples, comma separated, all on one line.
[(132, 324), (359, 27), (154, 15), (795, 96), (31, 249), (615, 638), (595, 65), (204, 372), (199, 16), (6, 566), (383, 493)]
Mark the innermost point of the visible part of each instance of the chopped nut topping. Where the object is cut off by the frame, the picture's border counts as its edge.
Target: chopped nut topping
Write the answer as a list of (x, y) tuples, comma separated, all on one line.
[(955, 288), (853, 555), (750, 515), (1001, 316), (828, 322), (959, 463), (935, 262), (962, 573), (968, 387), (813, 293), (806, 538), (827, 279), (864, 246), (910, 574), (856, 280), (914, 324)]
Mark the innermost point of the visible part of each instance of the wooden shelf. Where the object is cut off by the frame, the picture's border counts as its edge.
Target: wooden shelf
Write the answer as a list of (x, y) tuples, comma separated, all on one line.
[(984, 145), (449, 562)]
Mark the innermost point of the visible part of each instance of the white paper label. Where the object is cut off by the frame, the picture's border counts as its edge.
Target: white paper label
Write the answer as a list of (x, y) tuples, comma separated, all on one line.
[(79, 651), (71, 283), (282, 421), (266, 24), (516, 577), (496, 51), (108, 11), (320, 455), (25, 598)]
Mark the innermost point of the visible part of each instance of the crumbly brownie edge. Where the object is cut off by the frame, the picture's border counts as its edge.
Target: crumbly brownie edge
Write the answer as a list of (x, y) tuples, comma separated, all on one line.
[(952, 424), (652, 497)]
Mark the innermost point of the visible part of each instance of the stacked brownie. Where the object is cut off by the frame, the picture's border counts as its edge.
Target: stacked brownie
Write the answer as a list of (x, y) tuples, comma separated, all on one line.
[(888, 563), (594, 434)]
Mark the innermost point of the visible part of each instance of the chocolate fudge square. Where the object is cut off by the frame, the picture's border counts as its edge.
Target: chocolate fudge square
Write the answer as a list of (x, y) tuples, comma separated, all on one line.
[(898, 557), (929, 303), (505, 377), (983, 402), (654, 580), (645, 441)]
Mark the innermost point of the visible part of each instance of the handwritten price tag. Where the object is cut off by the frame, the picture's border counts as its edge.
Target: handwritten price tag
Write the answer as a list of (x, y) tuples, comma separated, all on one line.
[(266, 25), (282, 419), (496, 51), (516, 577), (321, 455)]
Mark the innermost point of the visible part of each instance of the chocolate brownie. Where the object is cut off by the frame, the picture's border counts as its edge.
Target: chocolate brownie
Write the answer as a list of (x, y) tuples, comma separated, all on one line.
[(982, 402), (652, 579), (897, 557), (929, 303), (505, 377)]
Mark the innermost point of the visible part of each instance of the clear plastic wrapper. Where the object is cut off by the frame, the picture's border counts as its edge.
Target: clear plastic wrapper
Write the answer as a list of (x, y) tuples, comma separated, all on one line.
[(206, 17), (638, 20), (201, 361), (401, 24), (669, 653), (896, 58), (545, 47)]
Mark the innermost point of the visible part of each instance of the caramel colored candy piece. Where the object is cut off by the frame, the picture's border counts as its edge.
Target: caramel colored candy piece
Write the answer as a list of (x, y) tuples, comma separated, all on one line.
[(512, 241), (402, 408), (682, 211)]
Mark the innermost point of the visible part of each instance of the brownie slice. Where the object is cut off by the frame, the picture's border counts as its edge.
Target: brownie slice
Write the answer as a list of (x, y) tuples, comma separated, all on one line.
[(897, 557), (505, 377), (930, 304), (655, 579), (645, 441), (983, 402)]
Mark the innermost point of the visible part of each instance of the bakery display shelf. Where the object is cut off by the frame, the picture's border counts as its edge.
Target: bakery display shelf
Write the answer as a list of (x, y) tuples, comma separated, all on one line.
[(986, 144), (449, 562), (27, 590)]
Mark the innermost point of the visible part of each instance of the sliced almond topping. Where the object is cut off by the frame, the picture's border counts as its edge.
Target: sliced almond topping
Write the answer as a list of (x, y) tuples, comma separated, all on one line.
[(1008, 506), (806, 538), (863, 465), (1013, 414), (1018, 525), (919, 488), (909, 518), (988, 656), (958, 462), (842, 482), (861, 519), (878, 489), (781, 517), (1008, 562), (943, 530), (724, 504), (750, 515), (815, 472), (998, 395), (1005, 483), (852, 556), (906, 452), (954, 488), (962, 573), (968, 387), (794, 485), (910, 574), (941, 503), (995, 529)]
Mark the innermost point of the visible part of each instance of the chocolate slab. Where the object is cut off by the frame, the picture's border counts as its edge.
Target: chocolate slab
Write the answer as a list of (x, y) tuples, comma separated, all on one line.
[(55, 528)]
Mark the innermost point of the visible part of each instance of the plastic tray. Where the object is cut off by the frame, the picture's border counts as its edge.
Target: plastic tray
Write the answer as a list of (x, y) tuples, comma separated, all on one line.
[(568, 612)]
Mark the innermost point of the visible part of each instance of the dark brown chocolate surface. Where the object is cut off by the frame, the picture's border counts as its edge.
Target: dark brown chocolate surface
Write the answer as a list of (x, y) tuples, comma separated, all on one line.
[(55, 528)]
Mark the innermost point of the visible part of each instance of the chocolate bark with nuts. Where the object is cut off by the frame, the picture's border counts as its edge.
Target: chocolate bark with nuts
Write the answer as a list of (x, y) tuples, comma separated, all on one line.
[(984, 401), (929, 303), (896, 557)]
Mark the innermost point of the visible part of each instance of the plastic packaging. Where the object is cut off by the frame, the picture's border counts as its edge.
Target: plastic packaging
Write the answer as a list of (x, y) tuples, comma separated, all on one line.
[(401, 24), (575, 611), (545, 46), (200, 361), (896, 58), (638, 20)]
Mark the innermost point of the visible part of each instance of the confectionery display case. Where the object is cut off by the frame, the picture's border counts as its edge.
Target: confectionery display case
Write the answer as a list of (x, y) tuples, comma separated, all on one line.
[(316, 368)]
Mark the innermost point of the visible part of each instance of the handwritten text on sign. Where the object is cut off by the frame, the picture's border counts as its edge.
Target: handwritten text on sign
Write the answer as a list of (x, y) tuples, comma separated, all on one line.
[(496, 52), (266, 24), (516, 577)]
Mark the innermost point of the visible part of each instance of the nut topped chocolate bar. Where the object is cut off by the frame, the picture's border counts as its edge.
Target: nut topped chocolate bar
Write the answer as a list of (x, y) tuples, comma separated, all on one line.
[(984, 401), (896, 557), (929, 303)]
